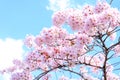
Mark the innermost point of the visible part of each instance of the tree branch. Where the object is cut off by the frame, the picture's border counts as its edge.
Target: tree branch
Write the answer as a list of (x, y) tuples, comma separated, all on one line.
[(44, 73), (114, 45), (111, 2), (74, 73)]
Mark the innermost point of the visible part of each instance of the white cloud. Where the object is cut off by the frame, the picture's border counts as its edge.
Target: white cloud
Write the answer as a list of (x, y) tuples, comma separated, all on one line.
[(10, 49), (6, 76), (55, 5)]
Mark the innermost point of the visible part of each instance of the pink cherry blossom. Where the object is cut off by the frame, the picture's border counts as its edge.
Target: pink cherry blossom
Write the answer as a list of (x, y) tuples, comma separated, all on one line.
[(46, 77), (91, 23), (21, 76), (29, 40), (64, 78), (88, 10), (59, 18), (83, 52), (101, 6), (82, 39), (75, 20), (113, 36), (117, 50), (39, 40)]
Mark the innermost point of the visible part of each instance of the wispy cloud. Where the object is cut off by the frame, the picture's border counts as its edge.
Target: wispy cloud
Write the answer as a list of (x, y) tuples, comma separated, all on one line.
[(10, 49), (55, 5), (5, 76)]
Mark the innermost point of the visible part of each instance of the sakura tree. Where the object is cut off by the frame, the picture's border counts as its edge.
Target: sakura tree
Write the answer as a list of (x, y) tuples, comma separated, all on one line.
[(92, 51)]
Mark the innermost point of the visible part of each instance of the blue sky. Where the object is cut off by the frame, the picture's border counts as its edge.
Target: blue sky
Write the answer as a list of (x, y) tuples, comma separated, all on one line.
[(21, 17)]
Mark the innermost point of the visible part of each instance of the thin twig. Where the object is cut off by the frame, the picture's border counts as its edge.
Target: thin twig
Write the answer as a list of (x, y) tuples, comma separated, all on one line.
[(111, 2), (44, 73)]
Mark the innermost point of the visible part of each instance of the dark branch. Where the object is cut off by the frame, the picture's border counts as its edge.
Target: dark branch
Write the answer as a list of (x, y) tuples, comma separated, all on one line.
[(114, 45), (111, 2), (44, 73)]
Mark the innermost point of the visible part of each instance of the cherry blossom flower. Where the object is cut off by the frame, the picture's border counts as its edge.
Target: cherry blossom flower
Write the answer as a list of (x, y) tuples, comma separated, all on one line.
[(55, 48), (29, 41), (101, 6), (75, 20), (21, 76), (59, 18)]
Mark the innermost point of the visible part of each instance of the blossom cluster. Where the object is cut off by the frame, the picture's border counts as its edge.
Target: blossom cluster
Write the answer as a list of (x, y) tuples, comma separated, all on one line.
[(90, 19), (55, 47)]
